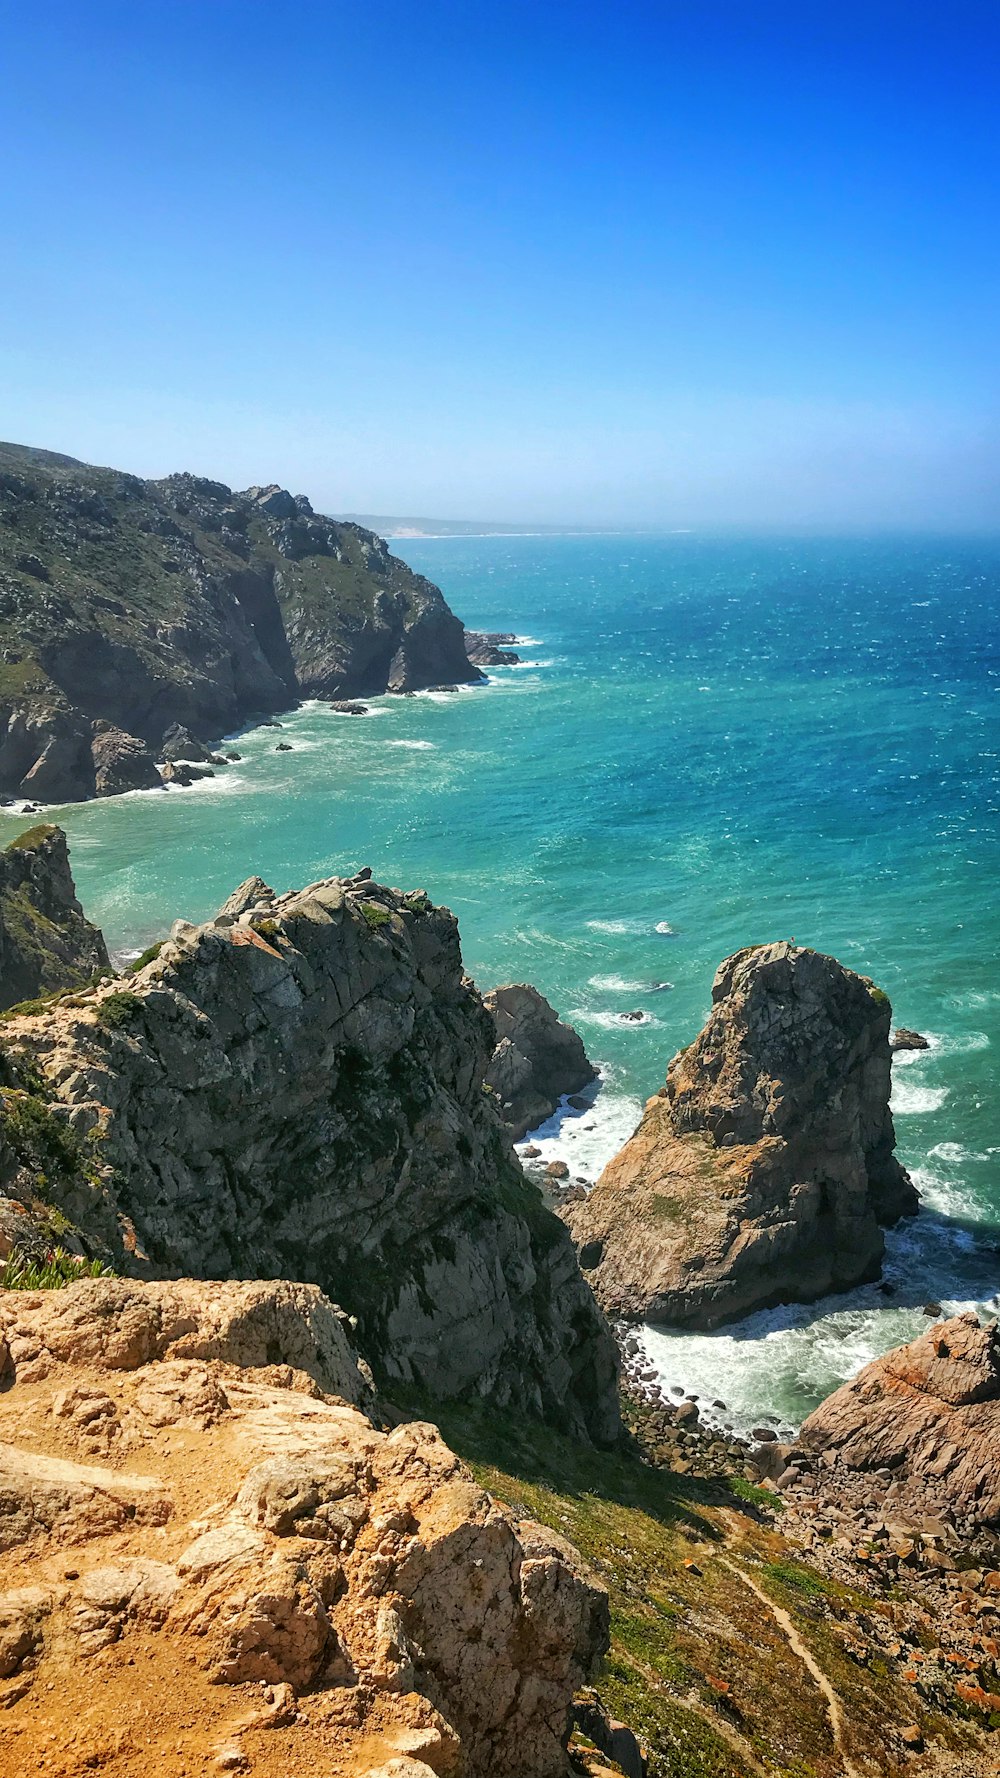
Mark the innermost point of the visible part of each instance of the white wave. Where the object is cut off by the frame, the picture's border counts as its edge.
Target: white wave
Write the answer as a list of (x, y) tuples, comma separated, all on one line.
[(909, 1099), (586, 1140), (610, 1021), (615, 926), (414, 745), (616, 984), (526, 642), (955, 1154), (664, 927)]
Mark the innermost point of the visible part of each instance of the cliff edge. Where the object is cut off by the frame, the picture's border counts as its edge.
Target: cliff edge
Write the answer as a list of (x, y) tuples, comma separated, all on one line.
[(296, 1089)]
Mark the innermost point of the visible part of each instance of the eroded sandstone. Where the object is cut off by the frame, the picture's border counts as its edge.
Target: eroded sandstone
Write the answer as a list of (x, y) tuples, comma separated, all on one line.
[(284, 1579)]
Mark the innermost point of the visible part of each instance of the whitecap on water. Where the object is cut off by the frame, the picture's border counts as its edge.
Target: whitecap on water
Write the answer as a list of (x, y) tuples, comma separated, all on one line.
[(609, 1021), (617, 984), (955, 1154), (910, 1099), (414, 745)]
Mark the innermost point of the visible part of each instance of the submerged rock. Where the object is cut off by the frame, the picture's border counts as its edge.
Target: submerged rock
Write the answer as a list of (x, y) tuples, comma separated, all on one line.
[(764, 1170), (537, 1060)]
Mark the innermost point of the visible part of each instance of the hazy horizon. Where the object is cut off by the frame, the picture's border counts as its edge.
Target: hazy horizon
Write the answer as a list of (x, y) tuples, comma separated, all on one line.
[(640, 270)]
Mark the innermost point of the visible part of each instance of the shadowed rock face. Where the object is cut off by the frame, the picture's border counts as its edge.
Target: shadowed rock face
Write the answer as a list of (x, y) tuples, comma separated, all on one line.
[(763, 1171), (46, 943), (929, 1412), (296, 1090), (190, 1485), (537, 1059)]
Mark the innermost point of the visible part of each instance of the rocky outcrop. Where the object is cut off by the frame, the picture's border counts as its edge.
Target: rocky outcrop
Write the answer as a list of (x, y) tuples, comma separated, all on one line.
[(537, 1059), (490, 650), (193, 1508), (46, 942), (296, 1090), (147, 606), (121, 762), (764, 1170), (926, 1418)]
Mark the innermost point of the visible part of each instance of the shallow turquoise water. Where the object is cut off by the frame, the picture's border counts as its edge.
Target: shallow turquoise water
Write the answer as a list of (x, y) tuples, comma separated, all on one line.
[(742, 740)]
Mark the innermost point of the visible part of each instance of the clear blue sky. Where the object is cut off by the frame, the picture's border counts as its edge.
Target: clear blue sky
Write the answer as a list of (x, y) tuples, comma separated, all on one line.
[(667, 262)]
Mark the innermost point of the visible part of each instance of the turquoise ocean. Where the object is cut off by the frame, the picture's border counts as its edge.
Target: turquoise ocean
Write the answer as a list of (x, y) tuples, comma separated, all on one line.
[(709, 743)]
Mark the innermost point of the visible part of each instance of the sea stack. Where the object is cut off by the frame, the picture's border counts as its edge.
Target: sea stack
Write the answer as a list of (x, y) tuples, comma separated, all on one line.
[(763, 1171)]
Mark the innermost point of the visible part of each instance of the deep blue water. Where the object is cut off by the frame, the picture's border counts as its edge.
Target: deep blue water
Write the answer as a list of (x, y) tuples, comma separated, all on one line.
[(741, 740)]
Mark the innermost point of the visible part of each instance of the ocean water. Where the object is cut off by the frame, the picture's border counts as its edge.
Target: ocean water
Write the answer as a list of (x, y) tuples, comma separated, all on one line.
[(708, 744)]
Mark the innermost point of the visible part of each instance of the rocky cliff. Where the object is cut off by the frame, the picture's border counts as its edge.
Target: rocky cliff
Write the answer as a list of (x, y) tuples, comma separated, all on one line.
[(46, 943), (764, 1170), (296, 1090), (130, 605), (925, 1418), (211, 1559), (537, 1059)]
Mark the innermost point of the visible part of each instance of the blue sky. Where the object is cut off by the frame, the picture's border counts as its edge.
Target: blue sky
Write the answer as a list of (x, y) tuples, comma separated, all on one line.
[(662, 263)]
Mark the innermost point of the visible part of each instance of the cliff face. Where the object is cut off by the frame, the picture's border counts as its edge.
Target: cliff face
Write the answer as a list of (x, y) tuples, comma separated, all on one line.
[(297, 1090), (927, 1416), (764, 1169), (46, 943), (140, 604), (537, 1058), (211, 1560)]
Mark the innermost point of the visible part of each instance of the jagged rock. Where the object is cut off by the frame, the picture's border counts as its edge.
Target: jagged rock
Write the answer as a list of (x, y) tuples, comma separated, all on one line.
[(378, 1601), (301, 1095), (121, 762), (180, 773), (537, 1059), (902, 1039), (179, 743), (764, 1170), (487, 650), (46, 942), (930, 1413), (346, 707), (254, 893)]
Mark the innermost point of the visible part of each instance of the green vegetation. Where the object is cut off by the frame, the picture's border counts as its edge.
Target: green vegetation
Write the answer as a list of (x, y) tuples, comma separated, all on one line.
[(149, 955), (375, 915), (41, 1140), (118, 1009), (32, 837), (879, 996), (801, 1579), (21, 1272)]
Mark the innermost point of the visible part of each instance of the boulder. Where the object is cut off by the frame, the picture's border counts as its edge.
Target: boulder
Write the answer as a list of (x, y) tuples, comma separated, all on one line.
[(537, 1059), (929, 1412), (375, 1598), (179, 743), (902, 1039), (254, 893), (763, 1171)]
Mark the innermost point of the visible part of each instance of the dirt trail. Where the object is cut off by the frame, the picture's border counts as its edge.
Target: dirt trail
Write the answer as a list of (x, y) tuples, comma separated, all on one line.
[(835, 1709)]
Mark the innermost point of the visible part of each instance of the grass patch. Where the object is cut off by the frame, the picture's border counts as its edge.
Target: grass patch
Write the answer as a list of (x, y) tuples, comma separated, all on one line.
[(149, 955), (799, 1578), (374, 915), (118, 1009)]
